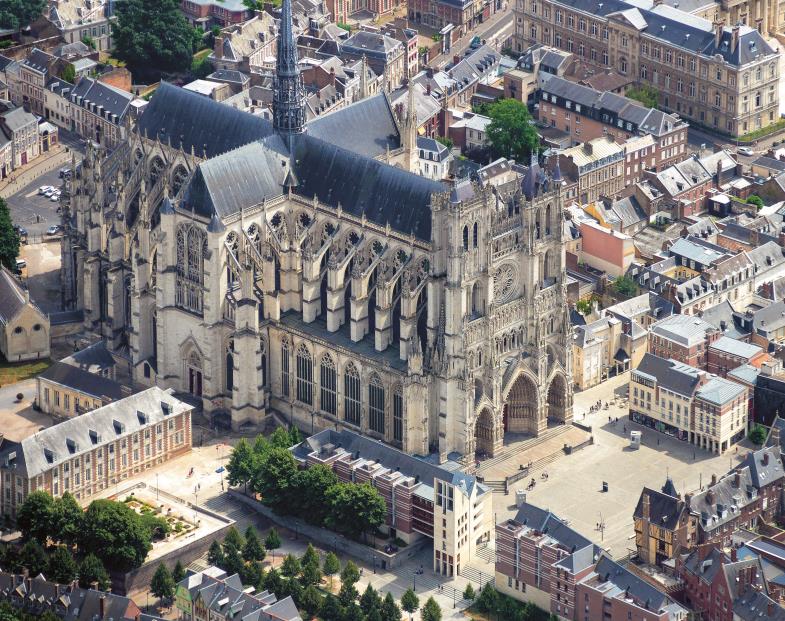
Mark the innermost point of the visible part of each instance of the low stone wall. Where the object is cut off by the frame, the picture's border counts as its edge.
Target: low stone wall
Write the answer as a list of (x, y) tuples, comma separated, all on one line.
[(333, 541)]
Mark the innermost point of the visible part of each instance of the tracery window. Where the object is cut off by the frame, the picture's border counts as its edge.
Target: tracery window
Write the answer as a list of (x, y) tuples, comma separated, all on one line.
[(351, 392), (285, 379), (376, 404), (327, 385), (191, 249), (304, 375), (398, 413)]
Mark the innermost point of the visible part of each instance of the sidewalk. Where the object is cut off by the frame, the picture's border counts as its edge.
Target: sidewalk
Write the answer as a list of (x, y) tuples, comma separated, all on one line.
[(42, 164)]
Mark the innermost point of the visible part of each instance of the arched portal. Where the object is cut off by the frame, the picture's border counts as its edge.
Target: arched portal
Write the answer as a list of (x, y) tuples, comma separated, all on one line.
[(521, 411), (557, 399), (484, 436)]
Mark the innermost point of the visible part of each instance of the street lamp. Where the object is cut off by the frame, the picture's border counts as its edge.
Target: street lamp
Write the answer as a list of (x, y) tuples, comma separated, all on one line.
[(156, 486)]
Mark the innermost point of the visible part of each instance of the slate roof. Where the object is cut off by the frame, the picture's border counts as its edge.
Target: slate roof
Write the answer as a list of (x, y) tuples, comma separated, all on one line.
[(719, 391), (683, 329), (754, 605), (83, 381), (45, 449), (764, 473), (38, 60), (770, 318), (385, 194), (698, 250), (481, 62), (628, 584), (735, 347), (549, 524), (113, 100), (12, 296), (706, 568), (371, 43), (771, 163), (433, 146), (671, 374), (92, 357), (745, 373), (665, 510)]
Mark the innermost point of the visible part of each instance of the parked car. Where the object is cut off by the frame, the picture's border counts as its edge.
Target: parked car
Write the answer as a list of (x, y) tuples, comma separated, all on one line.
[(55, 198), (20, 265), (476, 42), (44, 189), (53, 230), (745, 151), (64, 172)]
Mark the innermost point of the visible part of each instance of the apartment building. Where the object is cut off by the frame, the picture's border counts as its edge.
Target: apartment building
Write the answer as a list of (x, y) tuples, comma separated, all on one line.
[(209, 13), (34, 72), (540, 559), (587, 114), (385, 55), (100, 111), (604, 348), (683, 338), (721, 77), (80, 20), (463, 15), (423, 499), (86, 454), (214, 595), (597, 166), (674, 398), (664, 526), (248, 46)]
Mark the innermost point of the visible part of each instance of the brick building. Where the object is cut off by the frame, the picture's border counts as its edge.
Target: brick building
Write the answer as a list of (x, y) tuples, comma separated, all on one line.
[(462, 14), (680, 400), (597, 166), (683, 338), (726, 354), (539, 559), (208, 13), (86, 454), (423, 499), (586, 114)]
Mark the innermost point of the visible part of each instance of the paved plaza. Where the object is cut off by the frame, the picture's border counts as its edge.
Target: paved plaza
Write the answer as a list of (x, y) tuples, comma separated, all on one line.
[(573, 489)]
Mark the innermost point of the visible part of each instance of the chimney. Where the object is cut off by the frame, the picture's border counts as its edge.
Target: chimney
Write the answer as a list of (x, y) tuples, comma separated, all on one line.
[(718, 28), (771, 609), (688, 499), (587, 148), (734, 39), (704, 549), (734, 555), (218, 48), (765, 458), (332, 76), (646, 508), (713, 480), (102, 606), (710, 497), (428, 88), (737, 479)]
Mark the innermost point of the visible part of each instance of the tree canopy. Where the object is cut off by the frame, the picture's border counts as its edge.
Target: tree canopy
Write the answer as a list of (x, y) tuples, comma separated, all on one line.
[(92, 571), (645, 94), (355, 509), (153, 36), (511, 132), (19, 13), (9, 238), (162, 584), (115, 532), (624, 285)]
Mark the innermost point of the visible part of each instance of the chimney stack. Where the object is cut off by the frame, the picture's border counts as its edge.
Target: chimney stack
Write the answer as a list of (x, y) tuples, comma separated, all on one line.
[(102, 606), (734, 40), (218, 48), (737, 479), (718, 28), (765, 458), (646, 508), (713, 480), (734, 555)]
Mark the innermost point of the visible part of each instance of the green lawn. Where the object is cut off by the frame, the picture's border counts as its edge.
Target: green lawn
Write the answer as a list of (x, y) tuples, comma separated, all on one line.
[(12, 372)]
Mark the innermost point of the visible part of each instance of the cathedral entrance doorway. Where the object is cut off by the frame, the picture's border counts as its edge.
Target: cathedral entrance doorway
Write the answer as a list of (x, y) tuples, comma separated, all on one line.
[(194, 374), (557, 400), (521, 409), (483, 434)]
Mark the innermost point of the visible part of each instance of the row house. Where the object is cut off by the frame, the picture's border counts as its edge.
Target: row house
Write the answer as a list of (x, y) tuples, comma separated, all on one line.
[(384, 54), (209, 13), (213, 595), (586, 114), (20, 140), (34, 73), (422, 499), (604, 348), (408, 37), (597, 166), (83, 20), (65, 391), (463, 15), (674, 398), (86, 454), (721, 77), (726, 354), (683, 338), (248, 47), (541, 560)]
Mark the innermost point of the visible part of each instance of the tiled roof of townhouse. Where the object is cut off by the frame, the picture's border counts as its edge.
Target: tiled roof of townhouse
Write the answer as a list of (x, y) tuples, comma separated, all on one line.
[(683, 329)]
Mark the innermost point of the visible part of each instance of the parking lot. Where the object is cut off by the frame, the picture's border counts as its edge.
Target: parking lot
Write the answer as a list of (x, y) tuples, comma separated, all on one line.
[(34, 212)]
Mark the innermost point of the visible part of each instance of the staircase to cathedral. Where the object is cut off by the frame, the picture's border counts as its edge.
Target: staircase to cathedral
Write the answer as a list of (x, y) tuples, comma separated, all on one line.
[(508, 452)]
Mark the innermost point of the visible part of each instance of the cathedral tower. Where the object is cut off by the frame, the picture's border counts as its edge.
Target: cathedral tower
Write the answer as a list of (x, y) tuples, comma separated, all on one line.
[(288, 93)]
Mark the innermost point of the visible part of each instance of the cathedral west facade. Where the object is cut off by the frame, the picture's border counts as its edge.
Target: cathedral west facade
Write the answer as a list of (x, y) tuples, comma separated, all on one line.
[(309, 271)]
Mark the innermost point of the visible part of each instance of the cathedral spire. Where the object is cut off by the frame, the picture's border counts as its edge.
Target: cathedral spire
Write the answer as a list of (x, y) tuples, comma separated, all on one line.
[(288, 94)]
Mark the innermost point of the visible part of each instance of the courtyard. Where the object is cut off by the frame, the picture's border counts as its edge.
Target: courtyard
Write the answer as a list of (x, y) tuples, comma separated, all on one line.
[(573, 489)]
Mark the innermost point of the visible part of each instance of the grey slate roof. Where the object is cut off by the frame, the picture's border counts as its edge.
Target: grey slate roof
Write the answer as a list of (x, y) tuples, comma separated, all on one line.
[(92, 357), (745, 373), (764, 473), (671, 374), (631, 585), (771, 163), (113, 100), (12, 297), (719, 391), (45, 449), (665, 510), (754, 605), (434, 146), (38, 60), (683, 329), (83, 381), (735, 347)]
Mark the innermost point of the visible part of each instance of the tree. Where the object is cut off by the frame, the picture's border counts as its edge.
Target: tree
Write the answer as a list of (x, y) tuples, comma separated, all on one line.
[(390, 610), (348, 594), (36, 515), (756, 200), (431, 611), (253, 549), (116, 534), (331, 608), (625, 286), (468, 592), (294, 436), (331, 566), (311, 573), (757, 435), (33, 557), (233, 539), (273, 582), (61, 566), (68, 73), (274, 479), (233, 562), (311, 485), (488, 600), (92, 572), (311, 601), (583, 307), (240, 468), (157, 527), (511, 132), (153, 34), (162, 584), (68, 516), (445, 141), (350, 574), (15, 14), (290, 566), (355, 509), (178, 573), (370, 600), (280, 438), (252, 574), (89, 41), (272, 541), (352, 612), (215, 555), (645, 94), (201, 68), (410, 602)]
